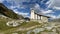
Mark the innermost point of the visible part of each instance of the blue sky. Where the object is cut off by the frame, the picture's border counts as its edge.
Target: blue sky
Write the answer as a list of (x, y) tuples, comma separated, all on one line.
[(23, 7)]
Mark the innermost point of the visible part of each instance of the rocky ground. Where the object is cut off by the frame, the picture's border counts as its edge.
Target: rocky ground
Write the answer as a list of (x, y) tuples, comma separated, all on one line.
[(43, 28), (47, 28)]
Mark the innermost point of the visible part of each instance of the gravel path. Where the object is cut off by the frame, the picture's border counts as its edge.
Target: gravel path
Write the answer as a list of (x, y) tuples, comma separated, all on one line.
[(25, 29)]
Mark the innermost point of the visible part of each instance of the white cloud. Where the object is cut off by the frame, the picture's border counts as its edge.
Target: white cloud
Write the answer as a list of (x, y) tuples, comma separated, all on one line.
[(20, 13), (12, 7), (57, 3), (48, 2), (16, 3), (1, 1), (58, 16), (46, 12), (51, 3), (37, 6), (17, 6), (57, 8), (54, 16)]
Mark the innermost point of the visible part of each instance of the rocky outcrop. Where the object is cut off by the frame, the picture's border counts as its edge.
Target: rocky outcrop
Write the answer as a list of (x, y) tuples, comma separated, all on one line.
[(8, 12)]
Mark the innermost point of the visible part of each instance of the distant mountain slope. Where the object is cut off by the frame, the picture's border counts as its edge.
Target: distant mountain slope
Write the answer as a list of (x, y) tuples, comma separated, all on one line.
[(56, 20), (8, 12)]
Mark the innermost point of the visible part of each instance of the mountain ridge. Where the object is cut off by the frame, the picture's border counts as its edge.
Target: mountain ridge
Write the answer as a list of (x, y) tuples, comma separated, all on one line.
[(8, 12)]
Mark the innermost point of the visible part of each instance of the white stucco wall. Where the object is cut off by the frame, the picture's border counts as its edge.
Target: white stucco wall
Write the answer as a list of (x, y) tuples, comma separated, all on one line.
[(32, 14), (44, 19), (35, 17)]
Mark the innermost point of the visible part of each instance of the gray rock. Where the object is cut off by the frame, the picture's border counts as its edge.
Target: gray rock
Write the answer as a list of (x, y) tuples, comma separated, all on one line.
[(37, 30), (49, 33), (12, 23)]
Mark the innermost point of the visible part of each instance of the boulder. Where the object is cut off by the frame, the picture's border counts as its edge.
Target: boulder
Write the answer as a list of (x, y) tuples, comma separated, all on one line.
[(49, 33), (12, 23)]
